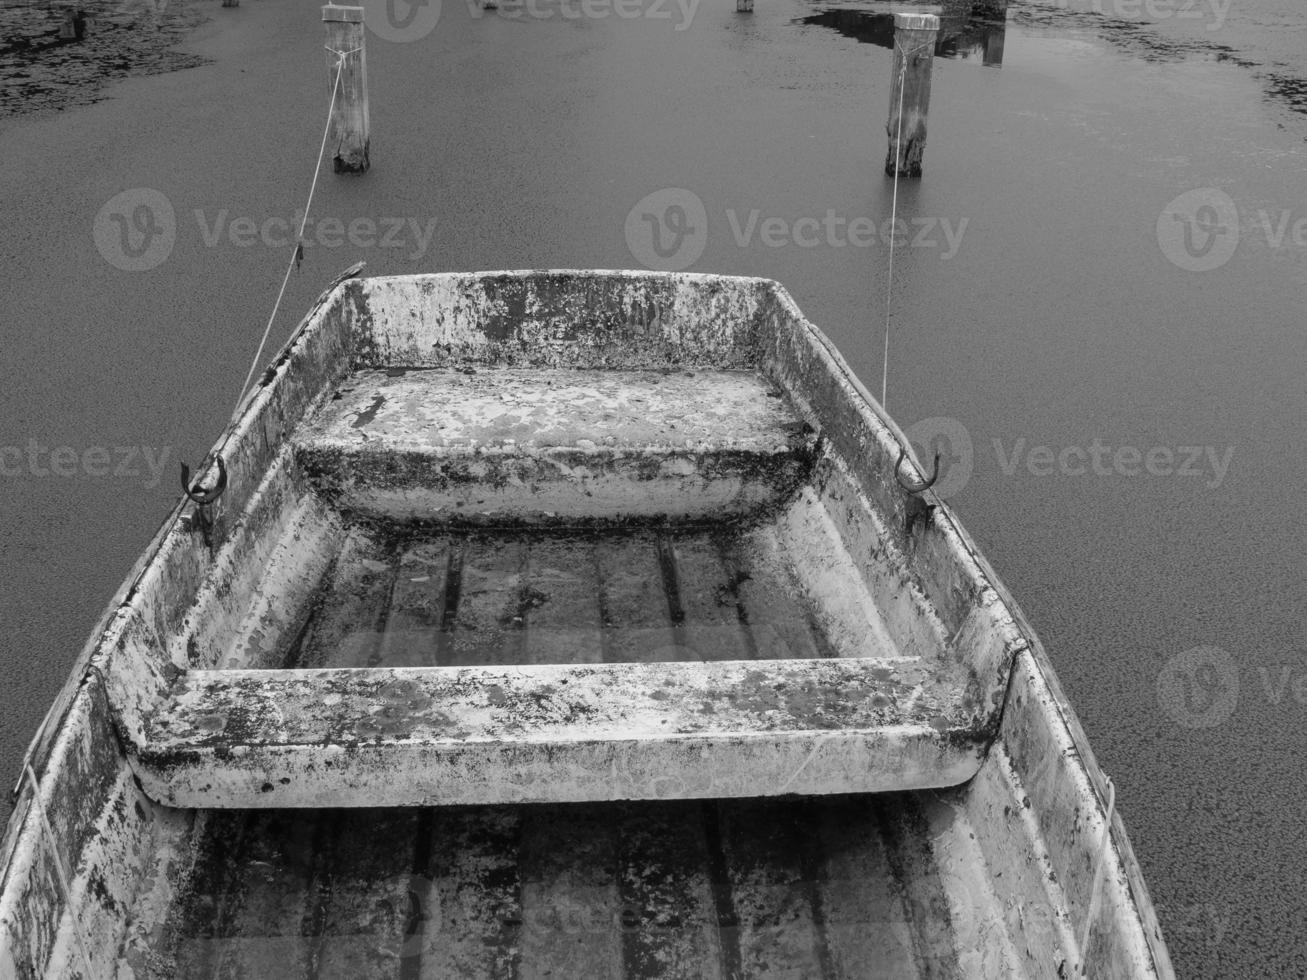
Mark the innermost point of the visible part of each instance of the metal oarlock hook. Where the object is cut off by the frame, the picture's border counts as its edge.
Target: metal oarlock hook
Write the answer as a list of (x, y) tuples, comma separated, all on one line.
[(203, 498), (915, 488), (197, 493), (917, 509)]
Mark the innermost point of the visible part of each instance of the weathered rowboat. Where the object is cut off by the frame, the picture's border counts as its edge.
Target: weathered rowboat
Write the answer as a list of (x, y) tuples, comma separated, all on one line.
[(570, 624)]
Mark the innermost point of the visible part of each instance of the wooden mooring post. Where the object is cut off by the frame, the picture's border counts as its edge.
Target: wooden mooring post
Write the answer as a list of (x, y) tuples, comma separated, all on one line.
[(993, 53), (74, 26), (350, 132), (909, 98)]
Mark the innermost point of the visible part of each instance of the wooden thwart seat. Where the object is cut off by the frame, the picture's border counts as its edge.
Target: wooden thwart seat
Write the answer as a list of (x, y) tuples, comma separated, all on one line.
[(570, 444), (553, 733)]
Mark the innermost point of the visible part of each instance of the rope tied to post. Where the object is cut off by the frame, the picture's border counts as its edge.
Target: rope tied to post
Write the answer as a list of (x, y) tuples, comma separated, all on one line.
[(921, 47), (917, 49), (298, 256), (341, 55), (894, 226), (201, 498)]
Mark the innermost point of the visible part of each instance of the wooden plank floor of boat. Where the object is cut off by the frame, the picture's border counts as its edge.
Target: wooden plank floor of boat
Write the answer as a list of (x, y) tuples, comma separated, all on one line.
[(829, 887), (436, 598)]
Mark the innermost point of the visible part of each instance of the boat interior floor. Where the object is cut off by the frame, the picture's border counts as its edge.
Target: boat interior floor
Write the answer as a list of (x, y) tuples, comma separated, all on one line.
[(498, 516), (886, 886), (405, 598)]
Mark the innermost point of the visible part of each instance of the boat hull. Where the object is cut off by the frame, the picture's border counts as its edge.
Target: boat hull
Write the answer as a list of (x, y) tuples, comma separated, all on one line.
[(222, 681)]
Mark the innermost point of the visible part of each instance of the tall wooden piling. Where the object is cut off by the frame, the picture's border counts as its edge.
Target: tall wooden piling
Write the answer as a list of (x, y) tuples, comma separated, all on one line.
[(74, 26), (914, 54), (350, 132), (993, 53)]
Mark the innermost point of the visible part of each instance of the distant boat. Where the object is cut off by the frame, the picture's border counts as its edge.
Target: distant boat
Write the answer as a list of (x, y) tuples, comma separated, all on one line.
[(569, 624)]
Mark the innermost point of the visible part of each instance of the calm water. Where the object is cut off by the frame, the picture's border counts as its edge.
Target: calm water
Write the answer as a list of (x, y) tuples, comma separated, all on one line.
[(1067, 361)]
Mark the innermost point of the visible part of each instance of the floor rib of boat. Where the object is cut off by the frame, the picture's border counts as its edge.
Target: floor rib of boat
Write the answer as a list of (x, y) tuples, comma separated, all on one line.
[(830, 887), (451, 599)]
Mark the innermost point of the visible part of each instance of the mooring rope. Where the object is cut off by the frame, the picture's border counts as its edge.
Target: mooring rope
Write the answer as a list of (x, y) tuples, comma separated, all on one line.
[(298, 255), (1095, 901), (893, 224), (59, 869)]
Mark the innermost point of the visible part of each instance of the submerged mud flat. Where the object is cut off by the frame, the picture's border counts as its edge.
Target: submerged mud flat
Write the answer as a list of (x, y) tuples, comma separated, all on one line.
[(1284, 84), (40, 71)]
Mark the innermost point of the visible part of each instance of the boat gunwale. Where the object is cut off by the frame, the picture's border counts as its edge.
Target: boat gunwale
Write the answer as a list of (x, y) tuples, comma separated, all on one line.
[(1086, 759), (41, 747)]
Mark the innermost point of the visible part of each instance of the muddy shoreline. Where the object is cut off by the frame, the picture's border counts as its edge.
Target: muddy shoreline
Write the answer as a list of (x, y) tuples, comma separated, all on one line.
[(42, 72)]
